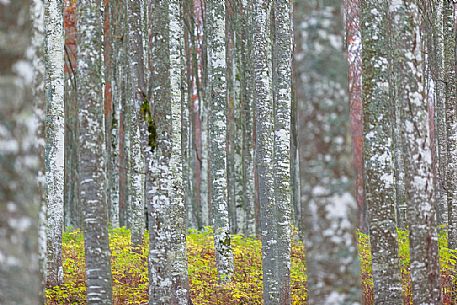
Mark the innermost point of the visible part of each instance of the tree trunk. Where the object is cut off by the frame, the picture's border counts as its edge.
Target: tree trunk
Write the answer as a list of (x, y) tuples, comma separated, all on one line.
[(217, 126), (117, 32), (38, 86), (91, 153), (282, 52), (55, 128), (108, 106), (354, 53), (378, 140), (408, 85), (328, 208), (19, 208), (136, 98), (168, 280), (264, 150), (437, 71), (451, 118)]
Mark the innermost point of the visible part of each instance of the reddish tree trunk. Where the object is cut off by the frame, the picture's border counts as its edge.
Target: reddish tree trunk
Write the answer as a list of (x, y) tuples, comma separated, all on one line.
[(354, 48)]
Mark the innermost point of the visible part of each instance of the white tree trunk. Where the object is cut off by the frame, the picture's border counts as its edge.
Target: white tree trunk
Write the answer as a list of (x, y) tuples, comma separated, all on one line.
[(55, 128)]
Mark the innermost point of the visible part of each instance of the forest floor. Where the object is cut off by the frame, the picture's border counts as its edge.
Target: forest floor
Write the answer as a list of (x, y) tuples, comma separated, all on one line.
[(130, 270)]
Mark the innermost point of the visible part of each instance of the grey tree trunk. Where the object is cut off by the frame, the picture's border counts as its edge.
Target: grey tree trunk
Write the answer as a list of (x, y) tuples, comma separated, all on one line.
[(118, 29), (328, 208), (378, 140), (451, 119), (408, 85), (38, 62), (19, 162), (72, 208), (437, 71), (136, 97), (202, 66), (282, 52), (186, 131), (233, 141), (108, 7), (265, 133), (55, 128), (91, 154), (217, 125), (196, 69), (168, 280), (248, 114)]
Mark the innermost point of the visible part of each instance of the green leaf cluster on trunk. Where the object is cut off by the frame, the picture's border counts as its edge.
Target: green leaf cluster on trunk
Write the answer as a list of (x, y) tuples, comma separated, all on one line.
[(145, 111)]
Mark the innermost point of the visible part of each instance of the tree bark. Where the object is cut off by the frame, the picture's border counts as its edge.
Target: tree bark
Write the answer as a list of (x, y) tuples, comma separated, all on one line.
[(282, 52), (167, 217), (328, 207), (55, 128), (378, 140), (437, 71), (265, 132), (217, 126), (408, 85), (451, 119), (38, 86), (91, 153), (136, 97), (19, 162), (354, 53)]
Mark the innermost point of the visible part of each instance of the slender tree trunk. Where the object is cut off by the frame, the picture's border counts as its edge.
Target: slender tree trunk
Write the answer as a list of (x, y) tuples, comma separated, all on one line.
[(118, 65), (451, 118), (249, 119), (217, 125), (167, 217), (437, 71), (264, 149), (202, 66), (72, 213), (186, 131), (238, 116), (379, 166), (230, 115), (282, 180), (38, 91), (197, 104), (91, 153), (19, 208), (108, 105), (401, 203), (136, 98), (55, 128), (354, 50)]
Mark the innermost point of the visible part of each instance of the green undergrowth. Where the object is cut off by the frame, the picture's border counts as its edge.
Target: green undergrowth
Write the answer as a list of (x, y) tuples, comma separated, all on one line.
[(130, 271)]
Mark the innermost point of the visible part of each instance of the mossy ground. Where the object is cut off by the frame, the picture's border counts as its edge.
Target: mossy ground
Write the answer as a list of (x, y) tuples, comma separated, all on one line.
[(130, 271)]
